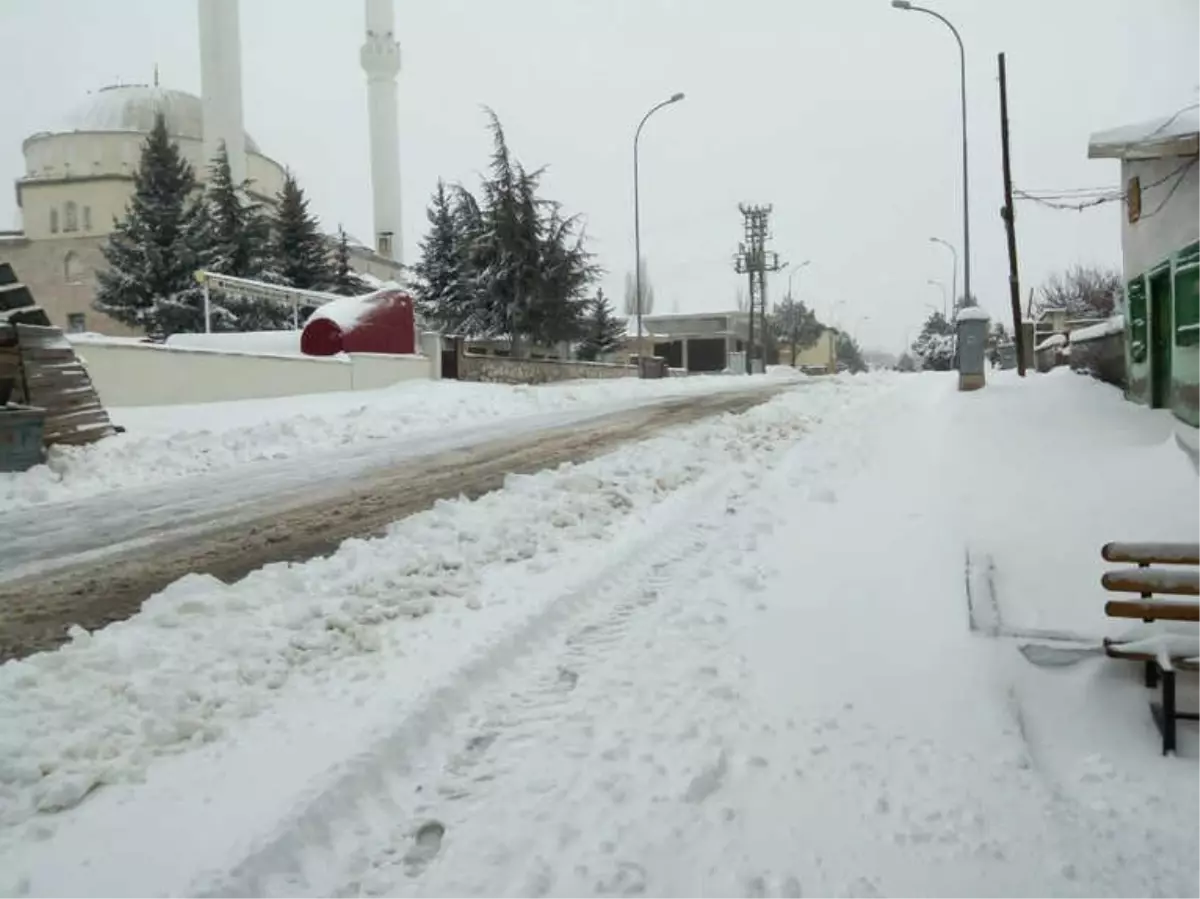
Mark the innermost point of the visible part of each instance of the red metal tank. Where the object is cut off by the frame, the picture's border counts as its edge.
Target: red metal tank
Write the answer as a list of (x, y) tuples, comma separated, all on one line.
[(379, 322)]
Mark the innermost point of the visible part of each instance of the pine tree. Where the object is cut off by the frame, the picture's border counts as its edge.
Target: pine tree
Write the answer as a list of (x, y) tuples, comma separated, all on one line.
[(796, 325), (155, 250), (298, 249), (849, 354), (604, 331), (345, 281), (935, 345), (443, 294)]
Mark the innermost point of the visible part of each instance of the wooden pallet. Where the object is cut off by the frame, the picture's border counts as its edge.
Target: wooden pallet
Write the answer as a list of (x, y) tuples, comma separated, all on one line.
[(49, 375)]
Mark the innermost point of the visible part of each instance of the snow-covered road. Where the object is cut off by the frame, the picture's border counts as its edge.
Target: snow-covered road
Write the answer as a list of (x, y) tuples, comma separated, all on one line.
[(732, 660)]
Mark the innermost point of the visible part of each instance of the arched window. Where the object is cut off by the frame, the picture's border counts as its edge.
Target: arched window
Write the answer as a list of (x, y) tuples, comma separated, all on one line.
[(70, 216), (87, 218), (72, 268), (54, 220)]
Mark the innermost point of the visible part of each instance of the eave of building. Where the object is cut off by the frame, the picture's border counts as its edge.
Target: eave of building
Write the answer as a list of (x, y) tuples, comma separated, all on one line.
[(1180, 145), (37, 181)]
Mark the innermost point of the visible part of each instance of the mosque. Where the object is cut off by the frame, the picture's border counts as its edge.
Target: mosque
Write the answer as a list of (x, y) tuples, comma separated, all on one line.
[(79, 176)]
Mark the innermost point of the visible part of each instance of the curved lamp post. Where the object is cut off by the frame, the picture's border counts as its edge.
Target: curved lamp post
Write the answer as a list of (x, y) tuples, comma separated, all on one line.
[(794, 272), (954, 272), (962, 64), (942, 286), (637, 221)]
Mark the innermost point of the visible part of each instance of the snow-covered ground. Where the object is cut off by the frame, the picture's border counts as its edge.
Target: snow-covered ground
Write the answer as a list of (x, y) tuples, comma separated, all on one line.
[(167, 443), (735, 659)]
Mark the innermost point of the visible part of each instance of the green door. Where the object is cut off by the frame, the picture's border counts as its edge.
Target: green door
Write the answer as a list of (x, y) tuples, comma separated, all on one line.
[(1160, 338)]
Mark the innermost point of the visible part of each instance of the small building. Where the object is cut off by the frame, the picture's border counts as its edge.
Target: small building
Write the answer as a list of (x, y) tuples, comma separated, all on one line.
[(820, 358), (694, 342), (1160, 250)]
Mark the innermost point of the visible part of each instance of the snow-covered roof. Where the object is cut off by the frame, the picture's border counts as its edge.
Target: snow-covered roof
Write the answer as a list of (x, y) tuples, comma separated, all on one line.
[(972, 314), (346, 312), (1171, 135), (133, 107), (1114, 325), (1052, 341)]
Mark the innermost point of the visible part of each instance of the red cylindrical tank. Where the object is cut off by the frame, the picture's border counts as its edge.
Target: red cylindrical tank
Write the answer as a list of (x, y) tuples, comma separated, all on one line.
[(379, 322)]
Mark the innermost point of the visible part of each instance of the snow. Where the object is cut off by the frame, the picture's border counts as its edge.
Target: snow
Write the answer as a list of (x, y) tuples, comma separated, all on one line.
[(1164, 129), (277, 343), (170, 443), (346, 312), (1114, 325), (972, 314), (1052, 341), (737, 659)]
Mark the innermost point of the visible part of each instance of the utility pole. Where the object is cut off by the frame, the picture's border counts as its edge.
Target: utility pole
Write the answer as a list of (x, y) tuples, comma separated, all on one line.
[(1010, 225), (753, 260)]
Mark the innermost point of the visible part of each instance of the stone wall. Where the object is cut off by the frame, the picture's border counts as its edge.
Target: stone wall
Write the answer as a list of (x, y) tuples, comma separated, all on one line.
[(506, 370), (1103, 358)]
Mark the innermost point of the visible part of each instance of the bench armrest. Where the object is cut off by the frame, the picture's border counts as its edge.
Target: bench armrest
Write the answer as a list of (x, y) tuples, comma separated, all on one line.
[(1153, 610), (1152, 580), (1152, 553)]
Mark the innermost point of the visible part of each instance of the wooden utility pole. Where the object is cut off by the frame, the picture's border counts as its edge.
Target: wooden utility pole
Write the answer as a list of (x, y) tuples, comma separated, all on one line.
[(1010, 226)]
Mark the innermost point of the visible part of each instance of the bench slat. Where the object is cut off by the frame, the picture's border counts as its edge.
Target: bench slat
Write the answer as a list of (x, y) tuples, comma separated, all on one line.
[(1148, 553), (1153, 610), (1152, 580)]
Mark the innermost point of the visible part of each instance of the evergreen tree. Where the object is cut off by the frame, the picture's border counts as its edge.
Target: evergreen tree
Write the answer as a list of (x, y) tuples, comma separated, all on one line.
[(604, 332), (796, 325), (239, 231), (935, 345), (298, 249), (529, 268), (444, 297), (155, 250), (849, 354), (345, 280)]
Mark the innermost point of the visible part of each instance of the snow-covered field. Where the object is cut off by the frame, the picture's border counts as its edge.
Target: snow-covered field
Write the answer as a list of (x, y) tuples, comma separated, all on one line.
[(167, 443), (735, 659)]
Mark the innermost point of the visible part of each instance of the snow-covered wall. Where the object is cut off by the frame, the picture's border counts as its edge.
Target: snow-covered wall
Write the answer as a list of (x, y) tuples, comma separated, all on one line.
[(153, 375)]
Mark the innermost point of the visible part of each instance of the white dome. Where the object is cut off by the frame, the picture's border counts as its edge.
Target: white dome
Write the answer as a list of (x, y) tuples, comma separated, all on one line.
[(133, 107)]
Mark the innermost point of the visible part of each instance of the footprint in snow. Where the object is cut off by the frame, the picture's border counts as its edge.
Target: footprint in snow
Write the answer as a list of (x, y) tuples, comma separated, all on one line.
[(427, 842)]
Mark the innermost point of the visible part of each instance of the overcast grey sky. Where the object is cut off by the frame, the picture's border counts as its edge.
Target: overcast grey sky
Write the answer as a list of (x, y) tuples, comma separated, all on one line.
[(842, 113)]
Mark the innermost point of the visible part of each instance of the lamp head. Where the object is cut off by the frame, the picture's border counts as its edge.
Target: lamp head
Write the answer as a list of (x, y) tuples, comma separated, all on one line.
[(902, 4), (675, 98)]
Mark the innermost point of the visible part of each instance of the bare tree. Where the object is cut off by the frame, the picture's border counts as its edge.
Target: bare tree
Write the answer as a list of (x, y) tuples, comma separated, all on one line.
[(1084, 291), (631, 292)]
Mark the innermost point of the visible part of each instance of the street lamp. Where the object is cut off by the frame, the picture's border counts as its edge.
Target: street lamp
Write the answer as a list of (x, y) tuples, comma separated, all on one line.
[(637, 222), (954, 271), (942, 285), (962, 65), (795, 270)]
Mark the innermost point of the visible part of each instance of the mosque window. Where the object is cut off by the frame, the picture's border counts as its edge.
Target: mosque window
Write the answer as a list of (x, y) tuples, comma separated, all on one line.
[(54, 221), (72, 268), (70, 216), (76, 322), (87, 218)]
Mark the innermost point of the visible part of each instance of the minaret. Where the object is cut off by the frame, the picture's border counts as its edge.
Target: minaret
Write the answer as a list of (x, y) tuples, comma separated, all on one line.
[(221, 83), (381, 61)]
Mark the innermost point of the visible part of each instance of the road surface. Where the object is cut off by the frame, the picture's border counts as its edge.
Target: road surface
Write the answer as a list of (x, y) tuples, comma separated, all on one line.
[(93, 562)]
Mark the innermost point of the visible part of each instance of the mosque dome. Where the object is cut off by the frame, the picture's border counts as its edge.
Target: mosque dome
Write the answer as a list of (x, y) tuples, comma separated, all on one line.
[(133, 107)]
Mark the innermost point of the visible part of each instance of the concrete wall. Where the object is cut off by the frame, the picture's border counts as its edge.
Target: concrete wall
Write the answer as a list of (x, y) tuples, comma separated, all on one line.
[(1103, 358), (505, 370), (132, 374), (1152, 239)]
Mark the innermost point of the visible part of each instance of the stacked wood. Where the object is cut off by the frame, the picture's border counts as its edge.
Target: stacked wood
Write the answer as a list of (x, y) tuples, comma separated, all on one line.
[(51, 377)]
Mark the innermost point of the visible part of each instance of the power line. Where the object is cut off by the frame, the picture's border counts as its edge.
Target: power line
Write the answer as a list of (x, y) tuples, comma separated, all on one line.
[(1046, 200)]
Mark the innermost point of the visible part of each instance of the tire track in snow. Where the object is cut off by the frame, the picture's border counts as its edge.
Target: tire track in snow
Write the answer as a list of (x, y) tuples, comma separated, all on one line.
[(371, 787)]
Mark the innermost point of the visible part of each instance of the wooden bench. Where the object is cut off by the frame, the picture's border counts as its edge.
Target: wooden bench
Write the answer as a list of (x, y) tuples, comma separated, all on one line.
[(1160, 662)]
